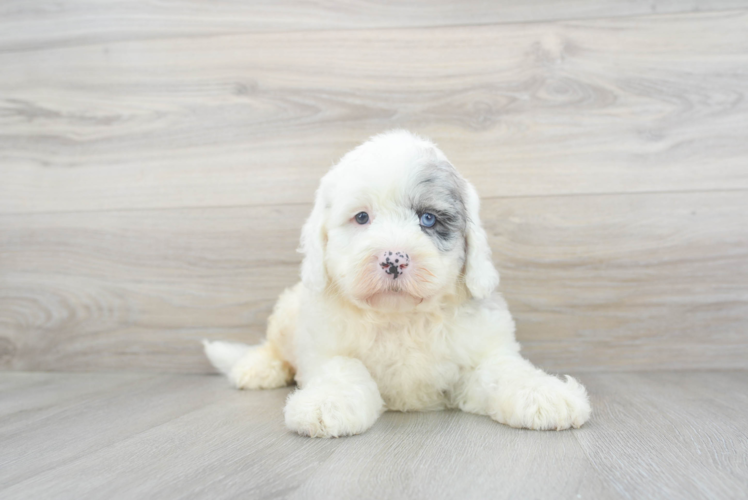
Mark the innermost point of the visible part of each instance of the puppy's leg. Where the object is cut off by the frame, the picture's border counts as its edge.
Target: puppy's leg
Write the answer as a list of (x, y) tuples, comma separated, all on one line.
[(265, 366), (261, 368), (512, 391), (249, 367), (340, 399)]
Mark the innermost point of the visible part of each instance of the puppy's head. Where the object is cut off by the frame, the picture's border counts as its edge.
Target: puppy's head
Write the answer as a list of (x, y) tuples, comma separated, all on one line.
[(395, 225)]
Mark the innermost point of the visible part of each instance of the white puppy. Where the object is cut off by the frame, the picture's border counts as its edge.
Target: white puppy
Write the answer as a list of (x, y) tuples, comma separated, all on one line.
[(396, 309)]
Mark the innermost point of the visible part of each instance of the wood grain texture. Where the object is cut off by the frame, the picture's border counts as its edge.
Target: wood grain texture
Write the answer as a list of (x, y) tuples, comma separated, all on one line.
[(656, 435), (643, 104), (157, 161), (635, 281), (681, 431), (30, 25)]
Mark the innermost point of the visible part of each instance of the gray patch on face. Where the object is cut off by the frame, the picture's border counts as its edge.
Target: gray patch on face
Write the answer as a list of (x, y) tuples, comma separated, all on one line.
[(438, 191)]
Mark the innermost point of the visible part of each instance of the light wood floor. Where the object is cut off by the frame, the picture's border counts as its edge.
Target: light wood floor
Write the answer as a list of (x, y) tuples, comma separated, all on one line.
[(653, 435)]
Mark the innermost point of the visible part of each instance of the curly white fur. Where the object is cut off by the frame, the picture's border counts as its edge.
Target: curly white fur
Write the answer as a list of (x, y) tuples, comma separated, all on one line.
[(361, 333)]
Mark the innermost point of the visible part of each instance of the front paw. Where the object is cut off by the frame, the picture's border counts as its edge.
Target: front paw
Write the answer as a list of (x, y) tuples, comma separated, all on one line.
[(543, 404), (328, 412)]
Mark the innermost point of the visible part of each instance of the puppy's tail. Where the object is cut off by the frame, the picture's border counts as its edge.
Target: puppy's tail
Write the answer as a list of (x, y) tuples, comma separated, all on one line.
[(224, 355)]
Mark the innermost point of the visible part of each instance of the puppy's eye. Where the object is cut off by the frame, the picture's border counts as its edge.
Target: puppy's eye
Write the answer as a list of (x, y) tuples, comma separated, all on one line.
[(362, 217), (428, 220)]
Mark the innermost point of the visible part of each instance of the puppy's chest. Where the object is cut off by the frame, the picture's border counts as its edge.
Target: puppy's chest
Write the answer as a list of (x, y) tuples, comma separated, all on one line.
[(413, 370)]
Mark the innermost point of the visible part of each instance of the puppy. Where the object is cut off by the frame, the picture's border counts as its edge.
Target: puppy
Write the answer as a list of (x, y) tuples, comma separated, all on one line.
[(396, 308)]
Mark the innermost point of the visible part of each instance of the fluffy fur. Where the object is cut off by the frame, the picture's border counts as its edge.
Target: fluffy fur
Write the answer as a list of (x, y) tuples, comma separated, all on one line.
[(362, 334)]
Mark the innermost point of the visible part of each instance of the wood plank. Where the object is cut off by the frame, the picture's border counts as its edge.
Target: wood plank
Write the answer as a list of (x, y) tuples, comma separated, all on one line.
[(595, 282), (143, 286), (34, 24), (23, 391), (684, 433), (652, 434), (47, 434), (428, 456), (622, 282), (225, 430), (609, 105)]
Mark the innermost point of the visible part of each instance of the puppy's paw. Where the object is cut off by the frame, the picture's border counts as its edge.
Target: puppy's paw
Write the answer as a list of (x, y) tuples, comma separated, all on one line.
[(259, 368), (327, 412), (544, 404)]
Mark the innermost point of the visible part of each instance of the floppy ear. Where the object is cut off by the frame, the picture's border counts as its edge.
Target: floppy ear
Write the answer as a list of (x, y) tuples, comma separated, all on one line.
[(313, 242), (481, 276)]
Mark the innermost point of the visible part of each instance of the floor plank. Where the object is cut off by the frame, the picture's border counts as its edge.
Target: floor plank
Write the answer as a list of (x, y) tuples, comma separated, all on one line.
[(654, 103), (691, 443), (653, 435), (595, 282), (454, 456), (34, 24), (83, 423)]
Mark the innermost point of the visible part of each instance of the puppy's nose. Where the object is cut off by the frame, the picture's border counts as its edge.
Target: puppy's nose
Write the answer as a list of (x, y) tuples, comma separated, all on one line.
[(394, 263)]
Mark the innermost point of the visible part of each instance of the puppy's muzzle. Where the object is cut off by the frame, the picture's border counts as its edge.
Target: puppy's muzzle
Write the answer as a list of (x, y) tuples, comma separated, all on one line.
[(394, 263)]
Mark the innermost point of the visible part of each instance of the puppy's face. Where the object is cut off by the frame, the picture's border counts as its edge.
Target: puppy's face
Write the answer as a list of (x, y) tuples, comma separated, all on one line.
[(392, 222), (396, 231)]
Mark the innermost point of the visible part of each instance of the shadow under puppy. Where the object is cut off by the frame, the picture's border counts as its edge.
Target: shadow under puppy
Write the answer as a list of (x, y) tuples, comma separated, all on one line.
[(396, 308)]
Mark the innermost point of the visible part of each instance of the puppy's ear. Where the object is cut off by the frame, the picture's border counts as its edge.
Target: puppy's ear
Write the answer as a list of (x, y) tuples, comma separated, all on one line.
[(481, 277), (314, 241)]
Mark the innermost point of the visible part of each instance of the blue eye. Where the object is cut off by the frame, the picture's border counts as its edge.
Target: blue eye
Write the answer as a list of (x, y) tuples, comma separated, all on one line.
[(362, 217), (428, 220)]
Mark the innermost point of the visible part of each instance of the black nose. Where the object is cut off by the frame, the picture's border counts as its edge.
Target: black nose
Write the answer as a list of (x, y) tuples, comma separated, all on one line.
[(394, 263)]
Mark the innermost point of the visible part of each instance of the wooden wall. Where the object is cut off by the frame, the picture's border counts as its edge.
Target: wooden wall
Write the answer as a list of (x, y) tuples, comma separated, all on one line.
[(157, 161)]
